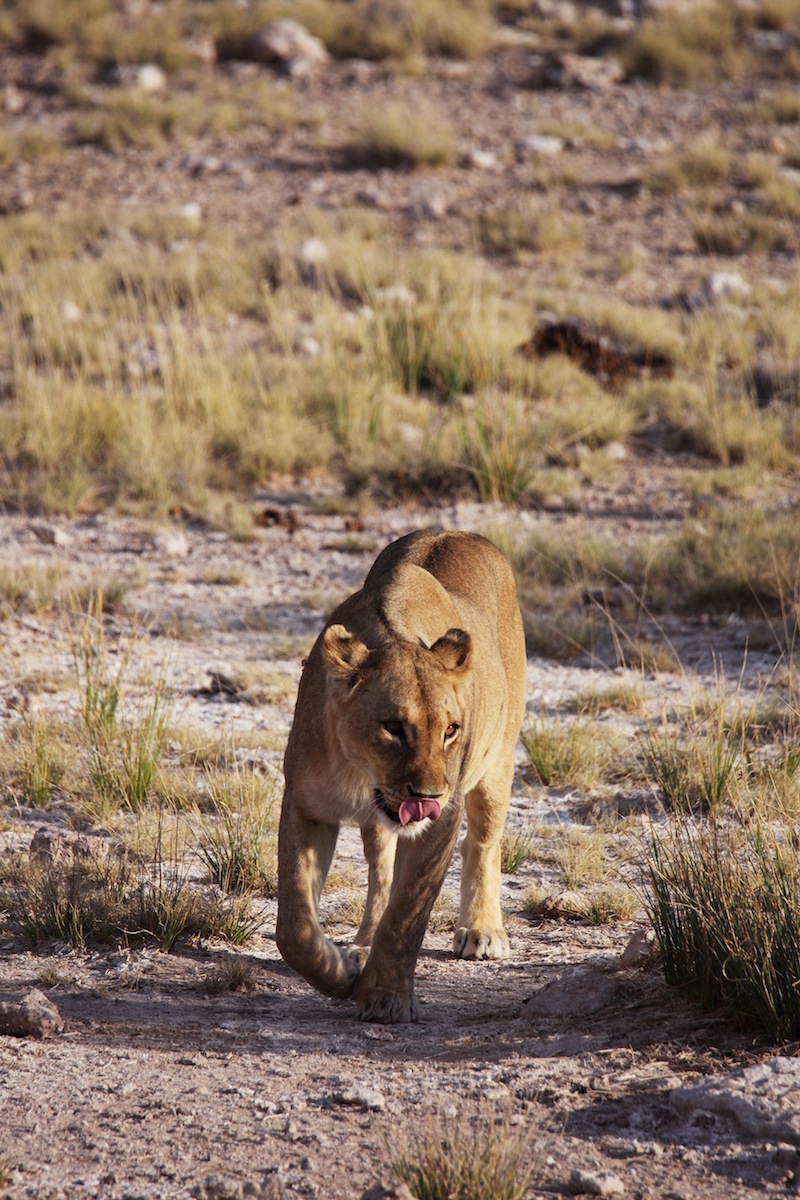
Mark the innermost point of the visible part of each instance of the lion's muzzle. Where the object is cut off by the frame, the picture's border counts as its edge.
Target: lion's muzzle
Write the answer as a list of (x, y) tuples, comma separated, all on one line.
[(414, 808)]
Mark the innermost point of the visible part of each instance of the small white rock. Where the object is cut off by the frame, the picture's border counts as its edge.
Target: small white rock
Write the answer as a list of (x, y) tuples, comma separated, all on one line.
[(52, 535), (13, 100), (539, 144), (482, 160), (313, 251), (191, 212), (147, 77), (70, 311), (725, 285), (172, 542), (395, 295)]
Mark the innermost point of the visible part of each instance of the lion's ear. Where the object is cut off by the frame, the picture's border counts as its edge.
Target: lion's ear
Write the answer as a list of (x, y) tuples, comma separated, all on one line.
[(453, 649), (343, 652)]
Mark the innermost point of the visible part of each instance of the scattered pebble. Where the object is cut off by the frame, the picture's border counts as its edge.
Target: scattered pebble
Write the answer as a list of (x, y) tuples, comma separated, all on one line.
[(171, 542), (595, 1183), (359, 1096)]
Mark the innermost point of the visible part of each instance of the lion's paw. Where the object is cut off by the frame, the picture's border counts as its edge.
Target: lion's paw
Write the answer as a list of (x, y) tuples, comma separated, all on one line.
[(356, 957), (388, 1008), (481, 943)]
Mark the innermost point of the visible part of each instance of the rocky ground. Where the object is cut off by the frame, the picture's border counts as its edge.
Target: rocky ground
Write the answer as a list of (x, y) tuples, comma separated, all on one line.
[(156, 1089)]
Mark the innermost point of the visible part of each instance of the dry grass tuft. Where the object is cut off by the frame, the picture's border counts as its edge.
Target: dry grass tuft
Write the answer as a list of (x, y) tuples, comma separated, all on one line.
[(474, 1156), (402, 137)]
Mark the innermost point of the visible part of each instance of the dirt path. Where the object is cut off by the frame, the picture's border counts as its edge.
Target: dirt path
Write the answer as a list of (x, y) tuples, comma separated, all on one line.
[(157, 1089)]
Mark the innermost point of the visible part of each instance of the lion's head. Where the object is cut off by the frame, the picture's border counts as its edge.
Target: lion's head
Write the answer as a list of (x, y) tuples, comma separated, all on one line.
[(399, 717)]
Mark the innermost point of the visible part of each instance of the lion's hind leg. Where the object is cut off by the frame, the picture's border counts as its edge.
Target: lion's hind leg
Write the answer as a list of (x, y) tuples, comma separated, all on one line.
[(380, 845)]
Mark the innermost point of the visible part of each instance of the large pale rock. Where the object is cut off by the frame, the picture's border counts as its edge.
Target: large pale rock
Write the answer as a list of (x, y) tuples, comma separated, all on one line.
[(575, 71), (763, 1101), (34, 1016), (287, 44)]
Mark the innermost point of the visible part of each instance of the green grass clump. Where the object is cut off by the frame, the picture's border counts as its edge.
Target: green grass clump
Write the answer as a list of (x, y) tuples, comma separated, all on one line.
[(100, 894), (701, 767), (41, 767), (517, 849), (239, 848), (124, 742), (725, 906), (472, 1158), (567, 752)]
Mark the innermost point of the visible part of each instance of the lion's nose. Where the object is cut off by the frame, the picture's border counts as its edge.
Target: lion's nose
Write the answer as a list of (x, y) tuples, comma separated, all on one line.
[(426, 794)]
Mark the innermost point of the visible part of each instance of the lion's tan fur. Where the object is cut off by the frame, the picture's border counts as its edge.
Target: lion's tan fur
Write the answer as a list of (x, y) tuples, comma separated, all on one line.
[(416, 687)]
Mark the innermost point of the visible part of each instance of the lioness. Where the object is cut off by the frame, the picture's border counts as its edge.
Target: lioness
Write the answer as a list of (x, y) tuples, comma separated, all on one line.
[(409, 707)]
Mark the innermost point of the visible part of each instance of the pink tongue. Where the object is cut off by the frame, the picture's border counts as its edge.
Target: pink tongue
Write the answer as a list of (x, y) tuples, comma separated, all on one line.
[(417, 808)]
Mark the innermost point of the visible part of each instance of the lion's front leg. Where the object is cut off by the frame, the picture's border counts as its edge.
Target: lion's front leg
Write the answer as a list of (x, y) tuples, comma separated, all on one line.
[(305, 850), (480, 933), (384, 991)]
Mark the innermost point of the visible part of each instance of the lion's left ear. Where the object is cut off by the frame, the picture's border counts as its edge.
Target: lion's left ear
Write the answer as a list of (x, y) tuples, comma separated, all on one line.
[(344, 653), (453, 649)]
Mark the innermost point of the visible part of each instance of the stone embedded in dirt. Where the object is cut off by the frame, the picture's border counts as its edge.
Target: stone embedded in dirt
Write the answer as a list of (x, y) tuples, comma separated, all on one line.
[(13, 100), (220, 683), (641, 950), (70, 312), (146, 77), (288, 45), (312, 252), (566, 906), (51, 535), (578, 992), (595, 1183), (763, 1101), (49, 846), (34, 1016), (172, 542), (481, 160), (721, 286), (395, 1191), (537, 144), (574, 71), (366, 1098)]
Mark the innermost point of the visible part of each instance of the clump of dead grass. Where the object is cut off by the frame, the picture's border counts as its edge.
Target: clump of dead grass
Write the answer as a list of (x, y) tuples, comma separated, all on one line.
[(402, 137), (475, 1156)]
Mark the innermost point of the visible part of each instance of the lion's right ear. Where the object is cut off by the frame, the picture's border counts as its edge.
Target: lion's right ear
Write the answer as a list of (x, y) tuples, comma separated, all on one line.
[(344, 653)]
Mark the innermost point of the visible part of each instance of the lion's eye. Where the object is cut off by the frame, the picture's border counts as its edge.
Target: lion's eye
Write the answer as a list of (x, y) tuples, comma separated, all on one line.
[(450, 732), (395, 728)]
